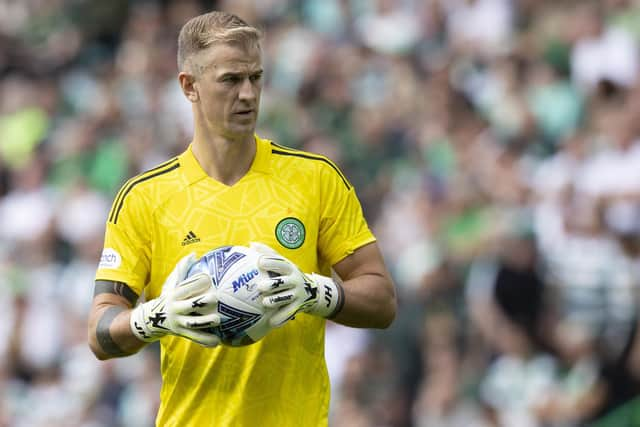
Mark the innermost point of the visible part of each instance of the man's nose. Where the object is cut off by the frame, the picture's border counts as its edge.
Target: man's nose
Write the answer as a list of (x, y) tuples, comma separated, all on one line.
[(247, 90)]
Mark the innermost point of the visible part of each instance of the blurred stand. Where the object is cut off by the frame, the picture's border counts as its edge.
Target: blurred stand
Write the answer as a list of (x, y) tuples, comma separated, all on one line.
[(496, 148)]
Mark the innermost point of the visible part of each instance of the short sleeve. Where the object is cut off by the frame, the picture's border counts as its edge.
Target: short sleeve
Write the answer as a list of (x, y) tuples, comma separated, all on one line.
[(127, 244), (343, 227)]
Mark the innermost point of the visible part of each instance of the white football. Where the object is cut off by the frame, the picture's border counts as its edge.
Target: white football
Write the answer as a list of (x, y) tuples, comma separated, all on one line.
[(234, 272)]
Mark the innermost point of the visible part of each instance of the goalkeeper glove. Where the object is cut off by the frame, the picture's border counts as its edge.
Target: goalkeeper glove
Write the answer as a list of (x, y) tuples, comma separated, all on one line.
[(185, 306), (289, 290)]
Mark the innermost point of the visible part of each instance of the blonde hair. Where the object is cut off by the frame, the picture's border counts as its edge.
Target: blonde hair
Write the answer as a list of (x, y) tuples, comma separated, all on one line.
[(204, 30)]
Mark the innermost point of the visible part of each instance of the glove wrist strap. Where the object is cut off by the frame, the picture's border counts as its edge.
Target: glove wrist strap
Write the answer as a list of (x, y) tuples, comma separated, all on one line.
[(330, 297), (143, 321)]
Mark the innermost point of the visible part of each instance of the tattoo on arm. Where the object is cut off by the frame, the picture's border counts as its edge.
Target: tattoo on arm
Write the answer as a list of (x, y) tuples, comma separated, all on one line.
[(103, 335), (116, 288)]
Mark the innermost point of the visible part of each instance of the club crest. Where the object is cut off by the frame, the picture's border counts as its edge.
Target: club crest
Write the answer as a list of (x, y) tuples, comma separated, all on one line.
[(290, 233)]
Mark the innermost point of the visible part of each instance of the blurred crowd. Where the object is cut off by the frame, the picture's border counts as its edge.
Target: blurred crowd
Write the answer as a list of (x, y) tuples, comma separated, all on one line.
[(494, 144)]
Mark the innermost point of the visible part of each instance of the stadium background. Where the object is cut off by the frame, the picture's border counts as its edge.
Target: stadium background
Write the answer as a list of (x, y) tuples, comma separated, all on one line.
[(482, 136)]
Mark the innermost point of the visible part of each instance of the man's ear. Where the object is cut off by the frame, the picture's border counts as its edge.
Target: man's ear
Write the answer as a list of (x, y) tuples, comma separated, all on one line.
[(188, 85)]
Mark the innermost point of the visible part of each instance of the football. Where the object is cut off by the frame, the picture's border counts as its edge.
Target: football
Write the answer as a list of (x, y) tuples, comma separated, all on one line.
[(234, 272)]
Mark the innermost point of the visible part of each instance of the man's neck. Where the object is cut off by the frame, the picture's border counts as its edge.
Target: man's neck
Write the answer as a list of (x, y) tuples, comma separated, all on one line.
[(223, 159)]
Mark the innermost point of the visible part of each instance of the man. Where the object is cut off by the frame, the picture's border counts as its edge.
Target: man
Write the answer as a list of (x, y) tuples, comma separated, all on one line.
[(231, 187)]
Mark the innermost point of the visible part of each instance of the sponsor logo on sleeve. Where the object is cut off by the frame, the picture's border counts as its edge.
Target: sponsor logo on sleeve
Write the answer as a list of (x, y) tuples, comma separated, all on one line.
[(110, 258)]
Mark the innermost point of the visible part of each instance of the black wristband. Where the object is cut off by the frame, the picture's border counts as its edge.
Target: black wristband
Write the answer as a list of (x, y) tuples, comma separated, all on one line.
[(340, 304)]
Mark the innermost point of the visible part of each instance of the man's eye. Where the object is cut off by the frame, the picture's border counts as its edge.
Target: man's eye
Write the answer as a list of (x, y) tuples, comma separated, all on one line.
[(255, 77), (231, 79)]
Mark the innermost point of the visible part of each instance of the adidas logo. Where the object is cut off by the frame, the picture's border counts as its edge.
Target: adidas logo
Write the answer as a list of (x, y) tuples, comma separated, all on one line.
[(190, 238)]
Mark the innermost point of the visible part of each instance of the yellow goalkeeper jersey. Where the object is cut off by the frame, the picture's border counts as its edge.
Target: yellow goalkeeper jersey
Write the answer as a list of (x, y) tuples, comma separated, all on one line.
[(296, 202)]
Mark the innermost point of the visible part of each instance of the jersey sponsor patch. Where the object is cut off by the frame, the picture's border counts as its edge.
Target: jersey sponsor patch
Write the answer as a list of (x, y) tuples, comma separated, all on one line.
[(110, 258)]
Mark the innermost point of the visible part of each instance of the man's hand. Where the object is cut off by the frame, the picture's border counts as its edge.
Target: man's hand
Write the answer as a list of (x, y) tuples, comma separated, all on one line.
[(184, 307), (289, 290)]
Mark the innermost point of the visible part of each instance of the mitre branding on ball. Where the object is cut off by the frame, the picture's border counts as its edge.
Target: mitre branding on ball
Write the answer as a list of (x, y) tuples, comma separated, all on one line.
[(234, 272)]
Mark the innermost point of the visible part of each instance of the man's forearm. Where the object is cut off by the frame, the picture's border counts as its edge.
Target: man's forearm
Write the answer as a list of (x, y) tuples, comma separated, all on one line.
[(112, 336), (369, 302), (109, 330), (369, 292)]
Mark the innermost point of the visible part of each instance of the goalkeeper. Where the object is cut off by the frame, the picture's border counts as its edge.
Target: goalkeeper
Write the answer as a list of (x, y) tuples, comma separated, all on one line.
[(231, 187)]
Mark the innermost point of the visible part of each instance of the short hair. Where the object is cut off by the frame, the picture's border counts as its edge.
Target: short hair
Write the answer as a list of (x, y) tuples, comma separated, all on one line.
[(202, 31)]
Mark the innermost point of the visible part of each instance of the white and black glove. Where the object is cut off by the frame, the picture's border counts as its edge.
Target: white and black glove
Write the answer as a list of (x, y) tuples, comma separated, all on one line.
[(289, 290), (184, 307)]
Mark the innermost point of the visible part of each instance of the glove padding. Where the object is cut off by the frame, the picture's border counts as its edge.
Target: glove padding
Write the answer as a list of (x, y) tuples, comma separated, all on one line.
[(183, 308), (289, 290)]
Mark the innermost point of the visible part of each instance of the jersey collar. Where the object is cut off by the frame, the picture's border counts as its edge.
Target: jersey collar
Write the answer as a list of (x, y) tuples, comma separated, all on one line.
[(263, 155), (194, 171)]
